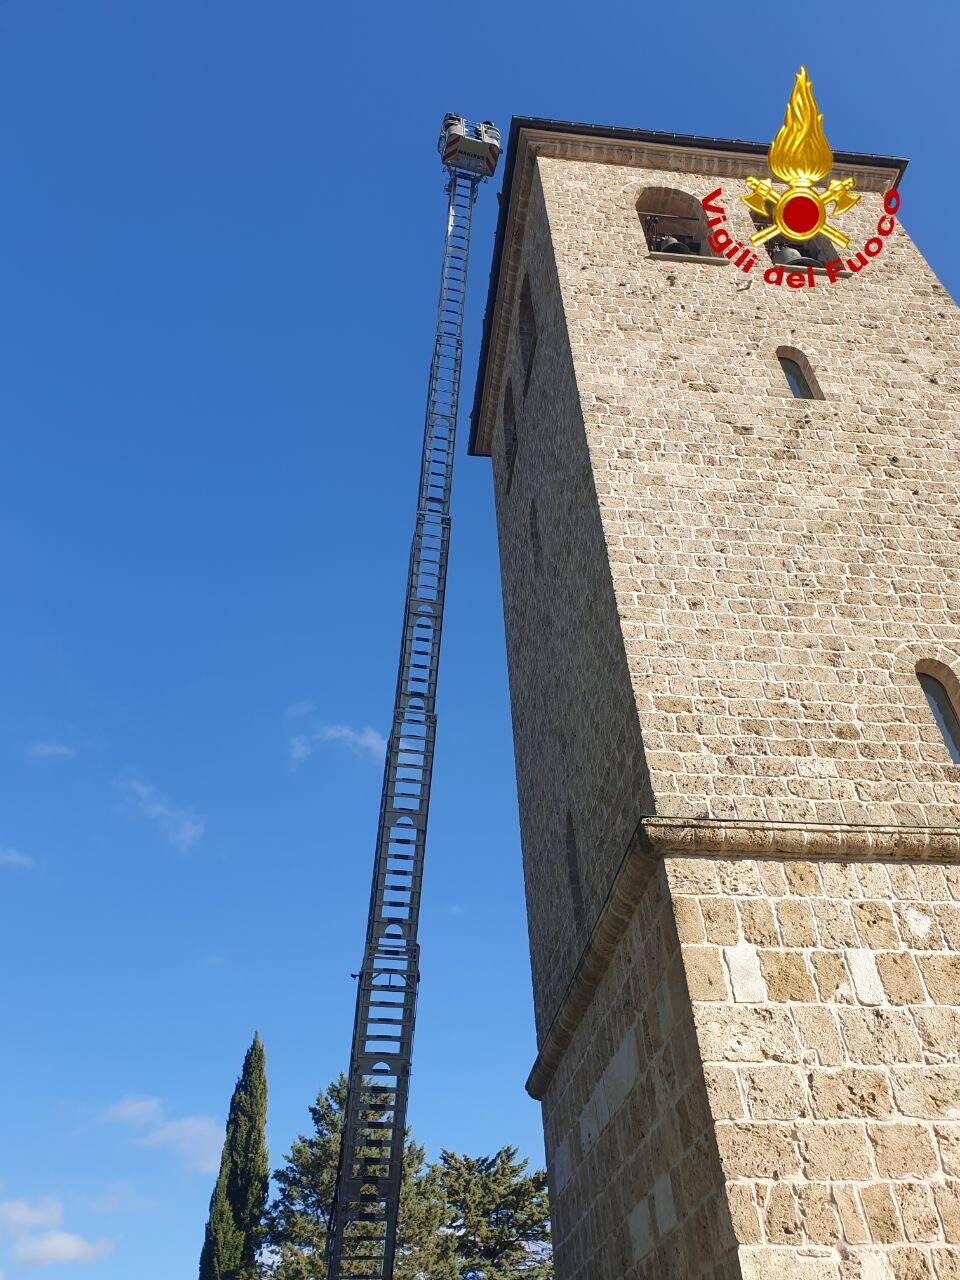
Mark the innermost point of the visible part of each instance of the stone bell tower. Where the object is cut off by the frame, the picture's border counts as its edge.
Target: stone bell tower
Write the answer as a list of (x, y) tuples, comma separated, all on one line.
[(728, 523)]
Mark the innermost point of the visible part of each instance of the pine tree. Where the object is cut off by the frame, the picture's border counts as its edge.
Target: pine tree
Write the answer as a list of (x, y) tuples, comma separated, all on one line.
[(299, 1216), (297, 1219), (235, 1225), (499, 1216), (464, 1218)]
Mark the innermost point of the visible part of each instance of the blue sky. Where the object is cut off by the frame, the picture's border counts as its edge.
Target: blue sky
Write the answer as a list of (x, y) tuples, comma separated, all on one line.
[(219, 241)]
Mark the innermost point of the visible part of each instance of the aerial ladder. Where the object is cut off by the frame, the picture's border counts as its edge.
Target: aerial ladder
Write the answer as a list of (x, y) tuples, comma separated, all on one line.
[(361, 1235)]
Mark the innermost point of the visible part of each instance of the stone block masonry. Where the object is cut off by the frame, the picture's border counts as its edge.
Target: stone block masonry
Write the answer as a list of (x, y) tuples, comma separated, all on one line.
[(740, 821), (825, 999)]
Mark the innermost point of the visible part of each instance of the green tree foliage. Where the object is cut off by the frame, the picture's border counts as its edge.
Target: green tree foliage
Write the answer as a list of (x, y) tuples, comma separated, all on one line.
[(461, 1219), (298, 1218), (296, 1224), (499, 1216), (235, 1225)]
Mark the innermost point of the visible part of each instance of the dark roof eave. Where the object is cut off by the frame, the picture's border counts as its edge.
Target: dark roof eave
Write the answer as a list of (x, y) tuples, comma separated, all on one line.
[(736, 145)]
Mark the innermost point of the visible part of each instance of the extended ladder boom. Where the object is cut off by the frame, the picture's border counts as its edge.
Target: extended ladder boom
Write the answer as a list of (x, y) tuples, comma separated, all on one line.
[(362, 1232)]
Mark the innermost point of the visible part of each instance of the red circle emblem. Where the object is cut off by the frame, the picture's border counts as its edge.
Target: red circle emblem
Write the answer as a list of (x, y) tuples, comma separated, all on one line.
[(801, 214)]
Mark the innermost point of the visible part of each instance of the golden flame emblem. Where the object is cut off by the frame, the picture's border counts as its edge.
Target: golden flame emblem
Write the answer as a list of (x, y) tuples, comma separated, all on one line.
[(800, 154), (800, 157)]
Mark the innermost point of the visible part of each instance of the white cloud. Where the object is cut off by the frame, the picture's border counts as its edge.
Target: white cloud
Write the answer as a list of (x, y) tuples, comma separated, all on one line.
[(136, 1111), (198, 1139), (365, 741), (38, 1240), (46, 1212), (182, 827), (51, 751), (14, 858), (59, 1246)]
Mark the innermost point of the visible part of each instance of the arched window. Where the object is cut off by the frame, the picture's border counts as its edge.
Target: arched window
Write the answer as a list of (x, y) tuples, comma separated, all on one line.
[(938, 684), (673, 222), (527, 328), (510, 440), (796, 369)]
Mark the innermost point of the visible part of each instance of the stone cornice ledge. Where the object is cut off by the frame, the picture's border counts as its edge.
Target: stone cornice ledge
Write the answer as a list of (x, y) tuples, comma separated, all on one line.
[(655, 838)]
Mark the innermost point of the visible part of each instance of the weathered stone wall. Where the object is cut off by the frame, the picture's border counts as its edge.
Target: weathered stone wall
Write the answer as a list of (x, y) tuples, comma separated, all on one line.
[(825, 999), (767, 1082), (635, 1179), (779, 565), (576, 733)]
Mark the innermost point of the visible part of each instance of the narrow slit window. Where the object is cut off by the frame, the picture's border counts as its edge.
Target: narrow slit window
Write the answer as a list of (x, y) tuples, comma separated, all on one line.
[(573, 869), (527, 325), (510, 440), (796, 379), (943, 712), (535, 543)]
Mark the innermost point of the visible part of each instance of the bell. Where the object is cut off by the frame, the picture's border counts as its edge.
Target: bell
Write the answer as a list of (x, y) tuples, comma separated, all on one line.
[(788, 256), (670, 244)]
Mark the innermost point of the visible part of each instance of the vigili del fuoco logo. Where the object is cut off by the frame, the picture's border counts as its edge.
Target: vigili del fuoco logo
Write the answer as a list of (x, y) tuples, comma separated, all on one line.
[(800, 158)]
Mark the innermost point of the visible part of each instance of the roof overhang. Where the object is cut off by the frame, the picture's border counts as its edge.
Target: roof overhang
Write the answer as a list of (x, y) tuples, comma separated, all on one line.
[(531, 136)]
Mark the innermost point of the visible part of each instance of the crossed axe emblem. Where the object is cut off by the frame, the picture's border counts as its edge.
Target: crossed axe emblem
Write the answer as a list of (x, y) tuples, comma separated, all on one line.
[(807, 217)]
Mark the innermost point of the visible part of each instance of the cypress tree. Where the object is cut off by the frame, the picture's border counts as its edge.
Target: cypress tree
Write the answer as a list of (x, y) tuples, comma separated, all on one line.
[(235, 1225)]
